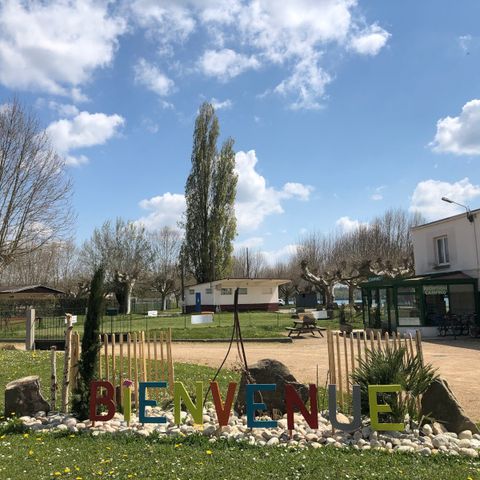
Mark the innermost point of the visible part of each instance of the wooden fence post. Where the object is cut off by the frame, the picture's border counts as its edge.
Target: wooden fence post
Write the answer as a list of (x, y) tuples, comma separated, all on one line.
[(107, 366), (135, 367), (120, 339), (170, 361), (66, 364), (53, 379)]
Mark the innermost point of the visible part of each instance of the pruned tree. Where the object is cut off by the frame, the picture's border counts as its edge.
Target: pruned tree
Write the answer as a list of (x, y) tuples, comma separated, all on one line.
[(35, 192), (124, 249), (210, 223), (165, 270)]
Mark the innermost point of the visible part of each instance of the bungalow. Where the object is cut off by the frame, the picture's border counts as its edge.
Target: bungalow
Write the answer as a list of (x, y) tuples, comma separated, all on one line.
[(29, 292), (253, 294), (446, 254)]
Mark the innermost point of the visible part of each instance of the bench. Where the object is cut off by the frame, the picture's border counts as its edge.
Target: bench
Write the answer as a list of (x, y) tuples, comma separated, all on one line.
[(307, 327)]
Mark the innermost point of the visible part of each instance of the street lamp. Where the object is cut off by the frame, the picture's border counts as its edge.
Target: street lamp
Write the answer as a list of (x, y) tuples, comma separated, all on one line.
[(469, 213)]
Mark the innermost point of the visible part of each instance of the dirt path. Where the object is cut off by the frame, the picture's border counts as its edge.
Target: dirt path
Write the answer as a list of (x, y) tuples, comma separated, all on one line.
[(458, 361)]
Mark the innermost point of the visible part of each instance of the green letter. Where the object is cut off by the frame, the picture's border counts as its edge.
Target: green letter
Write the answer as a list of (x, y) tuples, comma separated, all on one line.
[(179, 394), (375, 408)]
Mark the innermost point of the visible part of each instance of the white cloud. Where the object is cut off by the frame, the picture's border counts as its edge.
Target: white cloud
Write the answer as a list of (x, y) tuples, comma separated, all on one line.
[(55, 46), (377, 195), (83, 130), (427, 197), (347, 225), (307, 83), (244, 34), (152, 78), (63, 109), (226, 64), (165, 210), (282, 254), (256, 200), (459, 135), (218, 105), (251, 242), (370, 41)]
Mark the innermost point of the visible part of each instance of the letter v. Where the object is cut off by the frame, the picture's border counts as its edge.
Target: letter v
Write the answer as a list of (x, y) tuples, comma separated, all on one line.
[(223, 411)]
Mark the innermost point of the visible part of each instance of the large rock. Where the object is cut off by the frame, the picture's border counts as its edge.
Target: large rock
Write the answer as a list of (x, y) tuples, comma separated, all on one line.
[(23, 397), (270, 371), (440, 403)]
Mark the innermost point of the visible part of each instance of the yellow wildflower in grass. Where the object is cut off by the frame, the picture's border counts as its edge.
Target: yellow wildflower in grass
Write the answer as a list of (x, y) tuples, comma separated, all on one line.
[(26, 435), (209, 452), (57, 474), (30, 452), (66, 470)]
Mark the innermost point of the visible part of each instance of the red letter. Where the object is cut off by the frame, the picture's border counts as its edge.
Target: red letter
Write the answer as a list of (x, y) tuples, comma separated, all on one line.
[(106, 400), (292, 400), (223, 412)]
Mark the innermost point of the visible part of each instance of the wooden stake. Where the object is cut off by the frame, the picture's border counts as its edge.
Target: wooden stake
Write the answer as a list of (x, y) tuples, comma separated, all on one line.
[(129, 355), (339, 368), (149, 363), (100, 358), (162, 357), (331, 357), (114, 370), (352, 351), (170, 360), (66, 364), (347, 374), (418, 341), (53, 379), (135, 367), (144, 359), (107, 366), (120, 338)]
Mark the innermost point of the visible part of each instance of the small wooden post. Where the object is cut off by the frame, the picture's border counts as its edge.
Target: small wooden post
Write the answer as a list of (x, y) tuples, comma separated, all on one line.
[(107, 366), (114, 370), (66, 364), (100, 358), (345, 351), (331, 357), (53, 379), (379, 341), (170, 361), (144, 357), (352, 351), (129, 355), (120, 366), (149, 360), (418, 341), (359, 347), (162, 356), (371, 340), (339, 368), (135, 367), (155, 365)]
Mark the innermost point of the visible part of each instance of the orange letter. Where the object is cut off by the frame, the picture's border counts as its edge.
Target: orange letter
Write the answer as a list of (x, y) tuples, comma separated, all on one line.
[(223, 412), (292, 400), (106, 400)]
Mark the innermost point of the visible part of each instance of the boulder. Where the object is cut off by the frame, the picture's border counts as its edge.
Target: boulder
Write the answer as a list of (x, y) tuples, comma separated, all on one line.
[(440, 403), (270, 371), (23, 397)]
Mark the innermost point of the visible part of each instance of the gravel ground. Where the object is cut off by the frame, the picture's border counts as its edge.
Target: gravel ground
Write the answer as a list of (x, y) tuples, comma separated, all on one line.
[(457, 360)]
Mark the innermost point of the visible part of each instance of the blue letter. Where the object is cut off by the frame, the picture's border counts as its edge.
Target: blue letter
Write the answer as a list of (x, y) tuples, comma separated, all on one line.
[(150, 403), (252, 406)]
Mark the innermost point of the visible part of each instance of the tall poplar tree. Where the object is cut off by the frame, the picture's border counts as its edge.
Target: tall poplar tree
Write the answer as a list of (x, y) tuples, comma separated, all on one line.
[(210, 223)]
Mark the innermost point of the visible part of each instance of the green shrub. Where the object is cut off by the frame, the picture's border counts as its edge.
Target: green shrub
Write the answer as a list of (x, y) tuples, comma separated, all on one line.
[(394, 367)]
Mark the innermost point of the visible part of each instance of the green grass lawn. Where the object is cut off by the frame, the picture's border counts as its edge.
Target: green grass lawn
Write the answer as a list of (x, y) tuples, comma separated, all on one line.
[(254, 325), (17, 364), (85, 457), (82, 456)]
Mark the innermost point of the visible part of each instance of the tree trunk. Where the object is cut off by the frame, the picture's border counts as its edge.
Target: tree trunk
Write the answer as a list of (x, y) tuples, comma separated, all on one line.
[(351, 291), (163, 297)]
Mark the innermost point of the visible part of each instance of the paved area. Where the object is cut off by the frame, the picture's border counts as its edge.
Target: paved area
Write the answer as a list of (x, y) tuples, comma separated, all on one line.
[(457, 360)]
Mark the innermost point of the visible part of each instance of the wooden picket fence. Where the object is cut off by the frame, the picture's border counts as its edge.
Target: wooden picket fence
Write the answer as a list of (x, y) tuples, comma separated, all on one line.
[(138, 357), (345, 351)]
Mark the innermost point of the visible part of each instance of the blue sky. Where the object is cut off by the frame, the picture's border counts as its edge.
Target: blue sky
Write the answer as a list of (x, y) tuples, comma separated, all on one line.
[(340, 109)]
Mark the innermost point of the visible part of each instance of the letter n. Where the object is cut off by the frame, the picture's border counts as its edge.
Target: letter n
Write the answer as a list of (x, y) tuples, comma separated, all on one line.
[(293, 400)]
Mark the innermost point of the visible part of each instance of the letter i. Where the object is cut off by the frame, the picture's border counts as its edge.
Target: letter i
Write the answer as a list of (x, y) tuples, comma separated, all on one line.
[(127, 404)]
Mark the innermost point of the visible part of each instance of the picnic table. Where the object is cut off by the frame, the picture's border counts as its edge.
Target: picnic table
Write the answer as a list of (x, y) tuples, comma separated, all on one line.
[(304, 326)]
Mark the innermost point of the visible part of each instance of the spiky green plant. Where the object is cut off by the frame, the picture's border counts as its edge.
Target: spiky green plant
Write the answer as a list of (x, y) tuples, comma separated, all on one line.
[(394, 367)]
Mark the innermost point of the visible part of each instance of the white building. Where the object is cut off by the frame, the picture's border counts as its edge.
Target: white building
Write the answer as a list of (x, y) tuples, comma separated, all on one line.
[(444, 289), (253, 294), (448, 245)]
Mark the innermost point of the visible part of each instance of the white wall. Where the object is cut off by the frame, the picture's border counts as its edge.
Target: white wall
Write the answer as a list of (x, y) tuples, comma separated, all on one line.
[(461, 246), (255, 294)]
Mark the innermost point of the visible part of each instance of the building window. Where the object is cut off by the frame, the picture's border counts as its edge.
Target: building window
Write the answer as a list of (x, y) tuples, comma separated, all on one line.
[(226, 291), (208, 291), (191, 291), (242, 291), (443, 257)]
